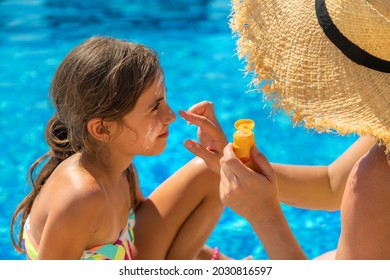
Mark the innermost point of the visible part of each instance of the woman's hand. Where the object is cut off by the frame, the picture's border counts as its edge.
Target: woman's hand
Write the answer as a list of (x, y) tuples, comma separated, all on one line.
[(250, 194), (210, 134)]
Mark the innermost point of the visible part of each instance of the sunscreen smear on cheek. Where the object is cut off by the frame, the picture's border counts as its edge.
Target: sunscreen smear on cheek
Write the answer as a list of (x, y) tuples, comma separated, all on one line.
[(151, 135)]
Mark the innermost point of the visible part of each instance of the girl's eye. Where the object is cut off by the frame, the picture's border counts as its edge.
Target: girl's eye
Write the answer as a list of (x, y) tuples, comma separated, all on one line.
[(156, 107)]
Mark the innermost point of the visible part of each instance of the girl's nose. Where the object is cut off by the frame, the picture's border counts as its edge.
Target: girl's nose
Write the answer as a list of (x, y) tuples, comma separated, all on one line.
[(169, 116)]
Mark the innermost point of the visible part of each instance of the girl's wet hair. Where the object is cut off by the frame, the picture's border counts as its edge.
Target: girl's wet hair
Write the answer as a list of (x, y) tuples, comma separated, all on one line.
[(101, 78)]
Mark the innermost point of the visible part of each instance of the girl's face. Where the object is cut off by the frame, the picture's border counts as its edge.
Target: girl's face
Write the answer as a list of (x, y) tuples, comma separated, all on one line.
[(145, 128)]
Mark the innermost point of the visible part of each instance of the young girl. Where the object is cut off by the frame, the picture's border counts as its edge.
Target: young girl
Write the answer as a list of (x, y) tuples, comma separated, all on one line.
[(110, 101)]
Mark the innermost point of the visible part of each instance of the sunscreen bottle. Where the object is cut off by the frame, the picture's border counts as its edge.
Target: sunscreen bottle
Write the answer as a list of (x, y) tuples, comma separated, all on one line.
[(243, 141)]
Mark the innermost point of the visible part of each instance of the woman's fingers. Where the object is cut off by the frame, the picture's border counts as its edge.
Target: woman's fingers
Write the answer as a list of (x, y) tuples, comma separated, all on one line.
[(210, 158), (235, 165), (227, 183), (262, 163), (201, 121), (204, 108)]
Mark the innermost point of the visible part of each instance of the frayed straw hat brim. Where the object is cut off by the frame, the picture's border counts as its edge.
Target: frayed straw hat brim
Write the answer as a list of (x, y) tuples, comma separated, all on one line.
[(306, 74)]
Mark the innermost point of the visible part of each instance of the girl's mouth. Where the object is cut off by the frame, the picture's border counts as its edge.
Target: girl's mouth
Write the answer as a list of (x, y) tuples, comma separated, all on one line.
[(164, 135)]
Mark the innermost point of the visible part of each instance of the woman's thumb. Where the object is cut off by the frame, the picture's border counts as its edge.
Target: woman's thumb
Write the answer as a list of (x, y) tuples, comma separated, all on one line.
[(262, 162)]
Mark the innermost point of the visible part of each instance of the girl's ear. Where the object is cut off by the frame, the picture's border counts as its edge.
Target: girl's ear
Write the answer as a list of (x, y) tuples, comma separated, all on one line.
[(97, 129)]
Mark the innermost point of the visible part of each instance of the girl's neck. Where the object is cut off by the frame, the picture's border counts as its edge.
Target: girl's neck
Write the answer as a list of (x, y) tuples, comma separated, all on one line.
[(105, 167)]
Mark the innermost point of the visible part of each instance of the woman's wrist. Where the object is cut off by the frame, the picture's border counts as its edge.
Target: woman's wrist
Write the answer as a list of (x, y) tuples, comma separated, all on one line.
[(264, 215), (276, 235)]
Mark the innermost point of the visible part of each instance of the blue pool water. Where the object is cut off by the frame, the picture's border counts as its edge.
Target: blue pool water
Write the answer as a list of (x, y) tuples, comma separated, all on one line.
[(197, 52)]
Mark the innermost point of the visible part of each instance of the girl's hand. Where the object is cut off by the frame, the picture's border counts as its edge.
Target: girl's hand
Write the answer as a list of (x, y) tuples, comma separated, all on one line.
[(250, 194), (210, 134)]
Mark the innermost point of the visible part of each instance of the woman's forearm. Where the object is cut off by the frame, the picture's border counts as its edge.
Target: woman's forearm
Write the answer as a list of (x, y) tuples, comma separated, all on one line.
[(319, 187), (305, 186)]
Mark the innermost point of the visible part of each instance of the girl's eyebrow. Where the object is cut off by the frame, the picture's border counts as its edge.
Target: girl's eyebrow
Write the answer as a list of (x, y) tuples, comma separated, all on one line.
[(159, 99)]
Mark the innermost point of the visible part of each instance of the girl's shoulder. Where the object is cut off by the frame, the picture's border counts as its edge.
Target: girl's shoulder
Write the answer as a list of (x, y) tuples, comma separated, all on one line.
[(70, 184), (71, 198)]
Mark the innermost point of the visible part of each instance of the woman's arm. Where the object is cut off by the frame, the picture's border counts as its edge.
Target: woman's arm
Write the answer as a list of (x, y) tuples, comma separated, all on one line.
[(319, 187), (254, 195)]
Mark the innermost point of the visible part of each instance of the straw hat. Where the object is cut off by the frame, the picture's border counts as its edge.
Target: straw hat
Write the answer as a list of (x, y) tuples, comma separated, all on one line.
[(325, 62)]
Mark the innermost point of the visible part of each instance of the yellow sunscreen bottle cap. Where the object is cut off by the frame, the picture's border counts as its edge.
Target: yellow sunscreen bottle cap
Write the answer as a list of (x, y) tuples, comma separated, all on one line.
[(243, 140), (244, 136)]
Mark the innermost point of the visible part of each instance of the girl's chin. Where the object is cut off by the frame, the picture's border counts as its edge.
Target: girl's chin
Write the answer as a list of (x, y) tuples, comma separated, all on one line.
[(156, 150)]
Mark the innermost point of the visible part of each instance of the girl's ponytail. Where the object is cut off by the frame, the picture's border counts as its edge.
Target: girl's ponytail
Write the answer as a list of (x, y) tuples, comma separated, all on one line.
[(60, 149)]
